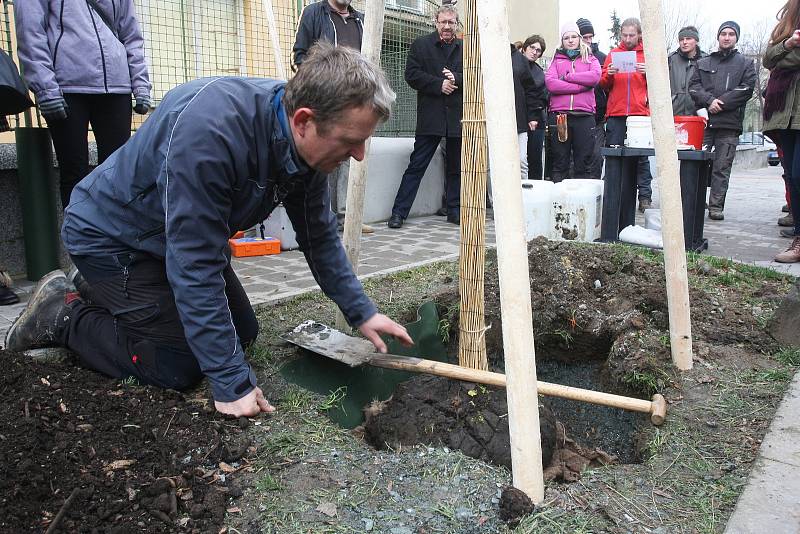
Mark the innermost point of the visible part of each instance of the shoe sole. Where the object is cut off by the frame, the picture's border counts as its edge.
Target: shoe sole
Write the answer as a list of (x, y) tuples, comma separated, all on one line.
[(35, 298)]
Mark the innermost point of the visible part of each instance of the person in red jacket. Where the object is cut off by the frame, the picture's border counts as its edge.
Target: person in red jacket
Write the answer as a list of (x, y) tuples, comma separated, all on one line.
[(627, 97)]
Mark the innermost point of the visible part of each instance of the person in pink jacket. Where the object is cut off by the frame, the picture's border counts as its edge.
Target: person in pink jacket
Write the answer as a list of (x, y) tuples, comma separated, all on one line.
[(571, 79)]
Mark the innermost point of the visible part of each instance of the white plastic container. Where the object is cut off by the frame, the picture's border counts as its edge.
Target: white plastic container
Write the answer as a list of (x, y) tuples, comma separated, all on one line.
[(279, 226), (639, 132), (577, 210), (537, 203)]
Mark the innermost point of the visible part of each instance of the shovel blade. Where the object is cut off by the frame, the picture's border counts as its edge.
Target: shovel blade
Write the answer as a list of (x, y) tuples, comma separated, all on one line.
[(331, 343)]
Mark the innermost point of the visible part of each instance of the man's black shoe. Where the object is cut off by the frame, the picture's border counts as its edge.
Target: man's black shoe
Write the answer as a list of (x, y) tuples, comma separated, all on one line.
[(441, 212), (455, 219), (44, 318), (7, 297), (395, 221)]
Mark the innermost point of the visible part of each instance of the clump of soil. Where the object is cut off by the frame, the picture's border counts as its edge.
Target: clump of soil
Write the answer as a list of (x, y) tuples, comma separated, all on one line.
[(514, 505), (460, 415), (136, 458)]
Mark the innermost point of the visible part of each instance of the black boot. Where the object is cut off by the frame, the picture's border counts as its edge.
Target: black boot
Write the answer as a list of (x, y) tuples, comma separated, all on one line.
[(43, 320), (6, 295)]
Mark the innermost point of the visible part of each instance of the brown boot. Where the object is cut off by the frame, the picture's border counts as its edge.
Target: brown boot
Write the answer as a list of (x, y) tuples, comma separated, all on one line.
[(791, 254)]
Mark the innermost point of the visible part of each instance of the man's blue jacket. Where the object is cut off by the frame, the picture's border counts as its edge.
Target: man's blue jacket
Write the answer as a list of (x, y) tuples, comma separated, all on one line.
[(217, 156)]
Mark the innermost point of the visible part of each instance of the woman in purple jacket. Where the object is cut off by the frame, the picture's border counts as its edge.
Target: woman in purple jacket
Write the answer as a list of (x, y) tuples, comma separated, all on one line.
[(570, 79), (83, 59)]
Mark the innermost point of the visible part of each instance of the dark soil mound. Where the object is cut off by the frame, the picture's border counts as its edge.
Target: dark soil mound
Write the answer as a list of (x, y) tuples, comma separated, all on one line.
[(138, 458), (460, 415)]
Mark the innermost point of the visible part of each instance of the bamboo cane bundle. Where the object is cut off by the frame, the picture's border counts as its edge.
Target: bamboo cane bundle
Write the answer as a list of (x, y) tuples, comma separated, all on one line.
[(474, 170)]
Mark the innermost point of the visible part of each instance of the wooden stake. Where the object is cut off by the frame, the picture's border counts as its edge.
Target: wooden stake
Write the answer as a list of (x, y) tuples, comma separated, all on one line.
[(658, 93), (276, 44), (357, 177), (512, 251), (474, 169)]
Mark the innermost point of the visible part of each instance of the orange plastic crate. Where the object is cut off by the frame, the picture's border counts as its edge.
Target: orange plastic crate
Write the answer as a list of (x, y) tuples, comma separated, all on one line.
[(254, 246)]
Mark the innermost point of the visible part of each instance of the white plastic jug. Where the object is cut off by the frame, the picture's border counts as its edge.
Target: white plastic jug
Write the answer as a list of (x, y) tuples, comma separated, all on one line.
[(639, 132), (538, 207), (279, 226), (577, 209)]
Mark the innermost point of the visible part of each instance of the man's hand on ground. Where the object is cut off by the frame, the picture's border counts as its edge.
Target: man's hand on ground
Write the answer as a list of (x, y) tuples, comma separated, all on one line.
[(380, 324), (251, 404)]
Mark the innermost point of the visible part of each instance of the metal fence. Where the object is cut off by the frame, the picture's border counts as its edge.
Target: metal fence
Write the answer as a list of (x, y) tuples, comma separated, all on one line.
[(189, 39)]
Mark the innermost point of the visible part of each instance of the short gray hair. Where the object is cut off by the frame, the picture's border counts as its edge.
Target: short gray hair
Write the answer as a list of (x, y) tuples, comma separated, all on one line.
[(632, 21), (447, 8), (333, 79)]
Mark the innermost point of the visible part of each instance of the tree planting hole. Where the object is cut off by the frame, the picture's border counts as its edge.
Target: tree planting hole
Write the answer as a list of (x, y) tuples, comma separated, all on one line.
[(474, 418)]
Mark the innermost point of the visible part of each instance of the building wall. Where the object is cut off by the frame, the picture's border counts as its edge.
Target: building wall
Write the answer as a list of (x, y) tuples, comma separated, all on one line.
[(527, 17)]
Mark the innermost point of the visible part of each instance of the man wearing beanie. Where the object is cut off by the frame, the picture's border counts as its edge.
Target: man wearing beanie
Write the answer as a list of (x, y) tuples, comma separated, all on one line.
[(682, 64), (600, 97), (723, 83), (627, 97)]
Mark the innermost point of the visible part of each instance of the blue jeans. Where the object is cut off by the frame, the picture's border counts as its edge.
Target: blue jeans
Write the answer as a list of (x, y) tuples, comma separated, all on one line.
[(421, 156)]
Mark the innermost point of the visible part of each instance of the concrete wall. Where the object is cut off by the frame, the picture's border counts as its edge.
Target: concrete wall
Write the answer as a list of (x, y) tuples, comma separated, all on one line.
[(750, 157), (527, 17), (388, 161)]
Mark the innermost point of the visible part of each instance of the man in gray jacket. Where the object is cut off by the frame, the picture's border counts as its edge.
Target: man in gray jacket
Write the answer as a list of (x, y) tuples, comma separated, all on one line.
[(723, 83), (149, 228), (682, 64)]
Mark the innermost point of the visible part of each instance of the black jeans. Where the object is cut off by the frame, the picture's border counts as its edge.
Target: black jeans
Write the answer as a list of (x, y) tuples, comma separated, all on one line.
[(615, 135), (421, 156), (596, 167), (110, 117), (578, 148), (132, 327), (790, 143)]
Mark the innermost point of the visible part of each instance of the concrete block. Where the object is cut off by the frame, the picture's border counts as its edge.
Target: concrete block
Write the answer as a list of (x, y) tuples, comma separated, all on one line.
[(388, 160)]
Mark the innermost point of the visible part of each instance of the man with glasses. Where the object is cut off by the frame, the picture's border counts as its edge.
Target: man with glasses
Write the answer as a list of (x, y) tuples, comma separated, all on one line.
[(434, 70), (601, 98)]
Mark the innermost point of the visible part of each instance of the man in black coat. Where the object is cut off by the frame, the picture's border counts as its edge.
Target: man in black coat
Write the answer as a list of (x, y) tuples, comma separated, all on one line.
[(434, 69), (723, 83)]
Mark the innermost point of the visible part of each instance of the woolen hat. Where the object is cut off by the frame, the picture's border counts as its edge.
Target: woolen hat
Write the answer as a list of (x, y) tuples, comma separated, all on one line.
[(585, 26), (569, 27), (732, 25), (690, 32)]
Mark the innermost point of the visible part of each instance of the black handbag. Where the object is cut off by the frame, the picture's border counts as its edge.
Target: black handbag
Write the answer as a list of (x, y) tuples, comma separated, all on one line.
[(13, 93)]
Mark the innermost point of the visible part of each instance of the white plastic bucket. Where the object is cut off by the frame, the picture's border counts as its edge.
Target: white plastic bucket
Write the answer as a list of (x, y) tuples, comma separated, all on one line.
[(639, 132), (538, 207), (577, 210)]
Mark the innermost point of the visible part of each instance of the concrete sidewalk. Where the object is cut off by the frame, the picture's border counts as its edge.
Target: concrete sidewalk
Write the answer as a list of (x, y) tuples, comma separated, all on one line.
[(749, 233)]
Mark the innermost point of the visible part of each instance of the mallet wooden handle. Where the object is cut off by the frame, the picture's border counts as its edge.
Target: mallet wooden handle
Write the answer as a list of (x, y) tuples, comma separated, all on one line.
[(657, 408)]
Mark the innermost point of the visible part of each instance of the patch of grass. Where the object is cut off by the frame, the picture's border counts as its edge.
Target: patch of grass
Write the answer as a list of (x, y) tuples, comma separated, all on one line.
[(788, 356), (643, 381), (130, 381), (774, 375), (267, 483), (296, 400), (334, 399)]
